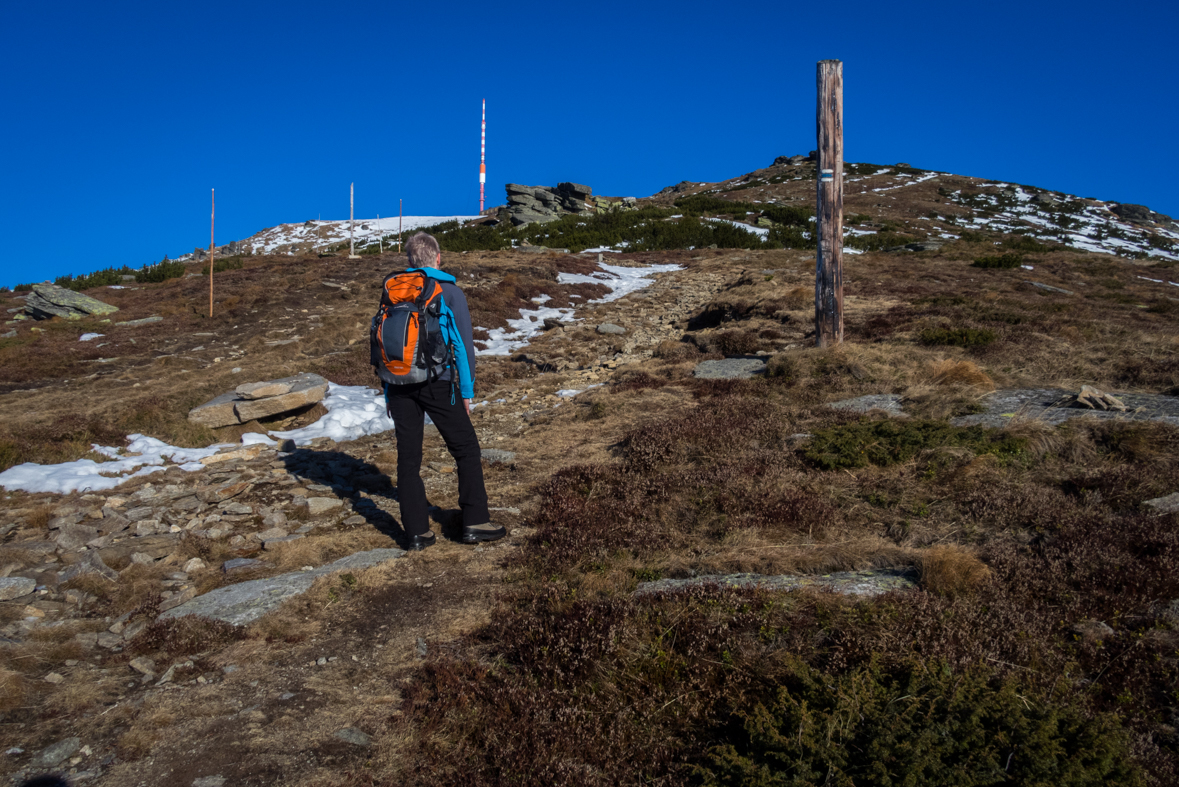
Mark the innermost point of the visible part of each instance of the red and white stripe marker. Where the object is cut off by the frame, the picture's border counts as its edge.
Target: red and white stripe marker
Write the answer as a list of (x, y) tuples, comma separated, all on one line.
[(482, 155)]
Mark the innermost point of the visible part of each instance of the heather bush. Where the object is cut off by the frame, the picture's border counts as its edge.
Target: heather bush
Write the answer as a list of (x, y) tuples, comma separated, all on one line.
[(998, 261), (889, 442), (957, 337), (920, 724)]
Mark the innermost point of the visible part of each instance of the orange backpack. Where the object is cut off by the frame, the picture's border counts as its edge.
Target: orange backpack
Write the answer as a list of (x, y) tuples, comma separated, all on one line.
[(406, 342)]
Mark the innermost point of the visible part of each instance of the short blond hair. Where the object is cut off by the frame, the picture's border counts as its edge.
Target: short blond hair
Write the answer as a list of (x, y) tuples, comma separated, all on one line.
[(422, 250)]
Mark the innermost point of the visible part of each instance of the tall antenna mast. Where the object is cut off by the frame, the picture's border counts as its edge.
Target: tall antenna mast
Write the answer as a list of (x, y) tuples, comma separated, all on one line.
[(482, 155)]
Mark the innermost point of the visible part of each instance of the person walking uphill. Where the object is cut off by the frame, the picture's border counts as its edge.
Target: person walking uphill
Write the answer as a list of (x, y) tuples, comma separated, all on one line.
[(423, 352)]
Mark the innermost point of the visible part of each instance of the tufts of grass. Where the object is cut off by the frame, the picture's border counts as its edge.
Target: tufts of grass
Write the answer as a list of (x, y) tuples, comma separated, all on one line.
[(952, 571)]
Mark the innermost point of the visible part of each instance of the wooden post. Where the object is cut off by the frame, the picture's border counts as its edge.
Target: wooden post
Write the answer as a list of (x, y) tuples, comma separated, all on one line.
[(829, 207), (212, 248)]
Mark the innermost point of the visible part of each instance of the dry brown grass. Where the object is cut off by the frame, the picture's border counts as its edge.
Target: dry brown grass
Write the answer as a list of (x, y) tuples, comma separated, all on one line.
[(951, 372), (950, 570), (13, 689)]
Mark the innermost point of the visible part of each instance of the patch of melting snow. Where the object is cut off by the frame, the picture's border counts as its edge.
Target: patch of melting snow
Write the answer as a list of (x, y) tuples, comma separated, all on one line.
[(354, 411), (569, 393), (761, 232), (86, 337), (142, 456), (620, 279)]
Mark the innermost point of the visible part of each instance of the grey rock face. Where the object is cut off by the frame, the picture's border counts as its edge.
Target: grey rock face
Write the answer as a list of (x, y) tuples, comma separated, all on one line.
[(143, 321), (55, 755), (15, 587), (730, 369), (354, 736), (1164, 505), (852, 583), (49, 300), (611, 328), (246, 602), (862, 404), (493, 455)]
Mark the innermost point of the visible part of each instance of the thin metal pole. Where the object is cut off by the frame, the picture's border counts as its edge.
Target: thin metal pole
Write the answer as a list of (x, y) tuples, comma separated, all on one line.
[(482, 156), (212, 247), (829, 206), (351, 218)]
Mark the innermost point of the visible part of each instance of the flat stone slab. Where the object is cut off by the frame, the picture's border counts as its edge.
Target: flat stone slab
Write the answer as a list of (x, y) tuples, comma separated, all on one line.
[(141, 321), (1044, 404), (245, 602), (850, 583), (50, 300), (232, 408), (730, 369), (862, 404), (262, 390)]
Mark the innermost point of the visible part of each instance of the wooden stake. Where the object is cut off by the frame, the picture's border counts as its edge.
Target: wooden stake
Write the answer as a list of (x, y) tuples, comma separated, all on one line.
[(829, 207), (212, 248)]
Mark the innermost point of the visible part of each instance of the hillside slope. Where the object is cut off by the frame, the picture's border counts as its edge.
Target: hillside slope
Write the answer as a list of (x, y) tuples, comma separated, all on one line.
[(639, 625)]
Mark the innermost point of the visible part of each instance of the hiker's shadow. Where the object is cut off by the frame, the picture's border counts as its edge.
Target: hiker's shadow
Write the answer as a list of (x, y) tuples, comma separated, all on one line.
[(348, 477)]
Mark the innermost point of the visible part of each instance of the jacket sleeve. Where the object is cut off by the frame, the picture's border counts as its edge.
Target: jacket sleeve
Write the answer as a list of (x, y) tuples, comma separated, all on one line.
[(456, 313)]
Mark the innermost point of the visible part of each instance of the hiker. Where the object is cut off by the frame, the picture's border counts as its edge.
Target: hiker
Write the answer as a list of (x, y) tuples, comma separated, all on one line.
[(438, 381)]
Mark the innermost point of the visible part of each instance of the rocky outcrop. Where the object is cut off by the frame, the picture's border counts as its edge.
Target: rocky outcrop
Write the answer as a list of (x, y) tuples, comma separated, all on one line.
[(252, 401), (1140, 214), (49, 300), (529, 204)]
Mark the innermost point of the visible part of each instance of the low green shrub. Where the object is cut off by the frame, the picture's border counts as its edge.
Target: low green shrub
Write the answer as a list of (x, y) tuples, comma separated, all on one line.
[(917, 725), (885, 443), (1026, 244), (956, 337), (161, 271), (102, 278), (223, 264), (1009, 260)]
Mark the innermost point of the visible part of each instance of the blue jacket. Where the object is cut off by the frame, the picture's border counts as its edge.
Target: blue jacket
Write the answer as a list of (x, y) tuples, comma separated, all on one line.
[(456, 325)]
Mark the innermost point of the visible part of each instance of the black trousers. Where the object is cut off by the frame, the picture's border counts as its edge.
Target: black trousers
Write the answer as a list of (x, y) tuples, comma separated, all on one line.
[(408, 404)]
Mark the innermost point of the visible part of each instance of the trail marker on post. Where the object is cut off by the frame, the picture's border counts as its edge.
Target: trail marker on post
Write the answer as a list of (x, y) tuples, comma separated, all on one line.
[(829, 206), (212, 248)]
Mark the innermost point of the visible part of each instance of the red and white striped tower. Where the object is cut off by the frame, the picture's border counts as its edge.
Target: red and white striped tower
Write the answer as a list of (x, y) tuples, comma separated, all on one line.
[(482, 154)]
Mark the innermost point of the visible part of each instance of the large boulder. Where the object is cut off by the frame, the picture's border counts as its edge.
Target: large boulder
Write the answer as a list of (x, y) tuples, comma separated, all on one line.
[(49, 300), (1138, 214), (276, 396)]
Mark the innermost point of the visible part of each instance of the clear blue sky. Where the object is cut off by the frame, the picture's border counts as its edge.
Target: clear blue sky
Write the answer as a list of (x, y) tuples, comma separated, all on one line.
[(120, 117)]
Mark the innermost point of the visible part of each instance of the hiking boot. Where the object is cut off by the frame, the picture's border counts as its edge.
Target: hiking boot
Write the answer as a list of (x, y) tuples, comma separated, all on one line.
[(485, 532), (418, 543)]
